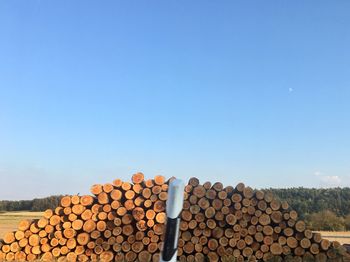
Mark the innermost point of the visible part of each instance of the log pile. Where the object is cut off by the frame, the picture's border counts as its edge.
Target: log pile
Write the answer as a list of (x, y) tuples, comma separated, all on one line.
[(123, 221)]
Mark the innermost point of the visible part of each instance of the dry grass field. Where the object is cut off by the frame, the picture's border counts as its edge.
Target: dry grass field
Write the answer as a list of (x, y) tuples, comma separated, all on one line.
[(9, 220), (343, 237)]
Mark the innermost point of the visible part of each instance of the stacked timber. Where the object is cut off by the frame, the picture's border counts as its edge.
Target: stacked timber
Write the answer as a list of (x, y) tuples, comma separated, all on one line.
[(125, 221)]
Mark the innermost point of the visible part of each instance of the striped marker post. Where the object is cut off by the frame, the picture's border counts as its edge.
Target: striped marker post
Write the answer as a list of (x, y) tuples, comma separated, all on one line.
[(173, 210)]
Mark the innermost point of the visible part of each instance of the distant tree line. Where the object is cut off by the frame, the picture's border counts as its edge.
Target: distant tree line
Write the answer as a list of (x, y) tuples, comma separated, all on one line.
[(37, 204), (322, 209)]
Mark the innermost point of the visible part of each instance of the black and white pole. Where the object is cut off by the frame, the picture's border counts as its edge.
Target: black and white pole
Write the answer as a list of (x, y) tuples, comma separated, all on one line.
[(173, 211)]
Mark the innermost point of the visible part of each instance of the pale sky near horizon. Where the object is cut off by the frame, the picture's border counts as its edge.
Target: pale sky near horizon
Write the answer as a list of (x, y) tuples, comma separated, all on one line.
[(252, 91)]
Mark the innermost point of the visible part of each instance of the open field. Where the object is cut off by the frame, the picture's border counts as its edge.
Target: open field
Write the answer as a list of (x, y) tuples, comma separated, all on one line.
[(343, 237), (9, 220)]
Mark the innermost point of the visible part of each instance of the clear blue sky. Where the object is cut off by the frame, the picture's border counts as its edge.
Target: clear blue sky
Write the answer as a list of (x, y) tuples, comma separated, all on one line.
[(252, 91)]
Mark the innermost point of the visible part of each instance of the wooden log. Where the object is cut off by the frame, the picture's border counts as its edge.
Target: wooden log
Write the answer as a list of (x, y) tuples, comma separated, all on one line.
[(276, 217), (66, 201), (14, 247), (159, 229), (79, 250), (240, 187), (264, 219), (130, 256), (211, 224), (96, 189), (102, 198), (259, 194), (9, 238), (159, 180), (75, 199), (293, 215), (268, 196), (42, 234), (107, 235), (34, 240), (268, 230), (49, 229), (161, 217), (268, 240), (217, 204), (106, 256), (152, 248), (156, 190), (86, 215), (19, 235), (268, 211), (89, 226), (121, 211), (137, 178), (314, 248), (218, 186), (231, 219), (96, 208), (321, 257), (305, 243), (69, 233), (163, 196), (31, 257), (292, 242), (193, 181), (36, 250), (308, 234), (127, 219), (137, 188), (145, 256), (199, 191), (317, 237), (149, 183), (101, 226), (331, 253), (23, 225), (78, 209), (71, 243), (288, 231), (159, 206), (146, 193), (247, 252), (126, 186), (117, 183), (241, 244), (254, 220), (165, 187), (248, 192), (129, 194), (276, 249), (20, 256), (213, 244), (275, 204), (300, 226), (71, 217), (83, 238), (139, 201), (138, 213), (262, 205), (325, 244), (71, 256)]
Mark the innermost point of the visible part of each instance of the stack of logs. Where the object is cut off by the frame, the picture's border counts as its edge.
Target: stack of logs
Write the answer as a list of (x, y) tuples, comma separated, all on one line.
[(126, 222)]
